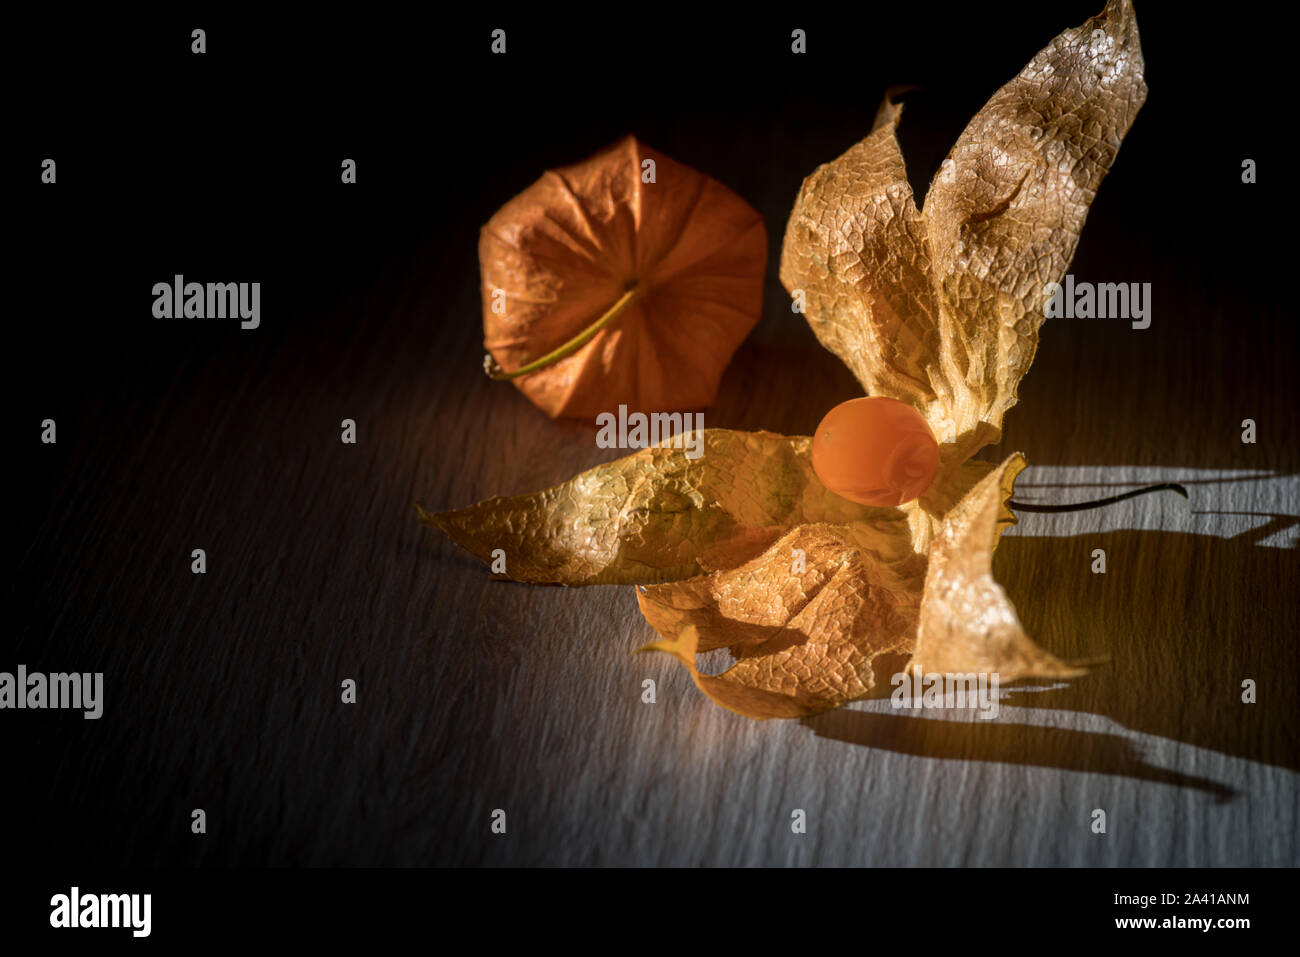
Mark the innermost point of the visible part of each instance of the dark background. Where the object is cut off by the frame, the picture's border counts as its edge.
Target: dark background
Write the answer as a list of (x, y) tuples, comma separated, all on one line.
[(222, 690)]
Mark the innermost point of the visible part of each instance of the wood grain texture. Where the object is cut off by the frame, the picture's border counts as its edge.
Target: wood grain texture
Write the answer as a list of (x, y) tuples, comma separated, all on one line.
[(476, 694)]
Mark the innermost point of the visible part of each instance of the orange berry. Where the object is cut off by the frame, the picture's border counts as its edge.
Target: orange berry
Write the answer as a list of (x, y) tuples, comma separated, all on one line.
[(875, 451)]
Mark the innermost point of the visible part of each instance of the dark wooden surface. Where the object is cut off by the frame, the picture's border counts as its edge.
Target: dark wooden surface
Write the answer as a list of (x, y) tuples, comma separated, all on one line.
[(474, 695)]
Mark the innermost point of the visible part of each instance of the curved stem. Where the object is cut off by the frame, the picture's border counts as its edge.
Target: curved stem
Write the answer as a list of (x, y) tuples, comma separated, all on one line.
[(1081, 506), (494, 370)]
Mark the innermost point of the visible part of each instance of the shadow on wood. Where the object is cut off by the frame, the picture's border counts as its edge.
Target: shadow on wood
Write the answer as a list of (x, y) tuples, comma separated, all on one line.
[(1173, 674), (1185, 619), (1061, 748)]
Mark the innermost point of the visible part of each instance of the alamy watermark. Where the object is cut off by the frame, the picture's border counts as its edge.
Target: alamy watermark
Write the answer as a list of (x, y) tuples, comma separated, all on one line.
[(1106, 300), (179, 299), (84, 692), (680, 430), (947, 690), (76, 909)]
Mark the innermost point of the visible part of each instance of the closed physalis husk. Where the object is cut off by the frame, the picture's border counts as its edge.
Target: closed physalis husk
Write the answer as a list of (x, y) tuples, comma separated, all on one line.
[(664, 263)]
